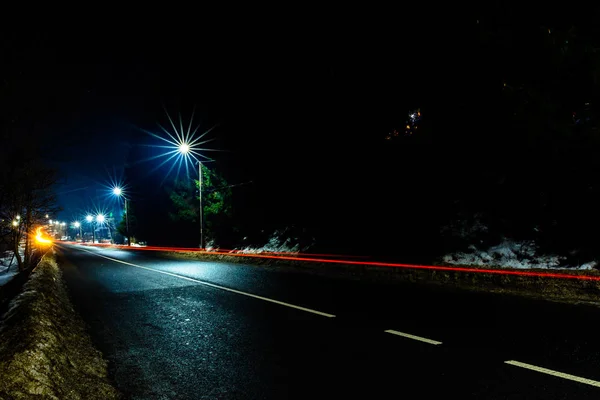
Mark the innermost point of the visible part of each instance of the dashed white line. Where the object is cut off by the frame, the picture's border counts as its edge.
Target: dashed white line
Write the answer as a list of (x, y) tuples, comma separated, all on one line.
[(554, 373), (414, 337), (216, 286)]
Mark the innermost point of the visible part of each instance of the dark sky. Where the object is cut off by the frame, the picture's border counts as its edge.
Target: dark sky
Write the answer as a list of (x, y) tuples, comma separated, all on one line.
[(289, 95), (86, 91)]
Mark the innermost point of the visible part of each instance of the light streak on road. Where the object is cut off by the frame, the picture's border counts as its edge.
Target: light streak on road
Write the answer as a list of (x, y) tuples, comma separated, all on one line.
[(369, 263)]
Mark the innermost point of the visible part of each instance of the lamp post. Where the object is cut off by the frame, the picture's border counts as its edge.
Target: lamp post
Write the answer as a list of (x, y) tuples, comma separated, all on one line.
[(77, 224), (90, 219), (100, 220), (187, 148), (117, 191), (200, 201), (184, 149)]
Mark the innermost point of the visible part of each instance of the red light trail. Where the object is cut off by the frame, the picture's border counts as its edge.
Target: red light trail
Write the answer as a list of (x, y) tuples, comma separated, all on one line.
[(364, 263)]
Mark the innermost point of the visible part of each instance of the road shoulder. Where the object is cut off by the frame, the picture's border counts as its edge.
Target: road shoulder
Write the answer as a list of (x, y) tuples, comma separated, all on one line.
[(45, 350)]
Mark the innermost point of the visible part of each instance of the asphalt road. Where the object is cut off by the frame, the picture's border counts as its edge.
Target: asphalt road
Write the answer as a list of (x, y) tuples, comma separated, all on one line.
[(179, 329)]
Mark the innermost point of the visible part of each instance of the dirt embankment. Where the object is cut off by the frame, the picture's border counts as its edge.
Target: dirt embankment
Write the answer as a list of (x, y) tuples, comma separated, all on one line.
[(45, 352), (541, 287)]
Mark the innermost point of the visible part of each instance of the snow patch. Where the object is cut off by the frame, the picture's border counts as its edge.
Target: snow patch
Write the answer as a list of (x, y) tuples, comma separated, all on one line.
[(512, 254), (280, 241), (8, 267)]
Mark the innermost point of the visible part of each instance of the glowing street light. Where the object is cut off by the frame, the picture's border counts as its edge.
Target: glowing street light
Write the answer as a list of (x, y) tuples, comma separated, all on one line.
[(77, 224), (185, 148), (90, 220), (15, 223), (101, 219), (117, 191)]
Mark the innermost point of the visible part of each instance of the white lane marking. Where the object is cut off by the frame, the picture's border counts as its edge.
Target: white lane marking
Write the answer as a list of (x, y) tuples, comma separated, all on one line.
[(216, 286), (408, 335), (554, 373)]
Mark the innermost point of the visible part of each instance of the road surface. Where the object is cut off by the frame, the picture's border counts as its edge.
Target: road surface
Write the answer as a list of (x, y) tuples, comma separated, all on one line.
[(188, 329)]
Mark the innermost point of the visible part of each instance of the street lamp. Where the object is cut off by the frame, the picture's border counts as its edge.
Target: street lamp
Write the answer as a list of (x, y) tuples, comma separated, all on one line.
[(117, 191), (77, 224), (184, 149), (100, 220), (200, 201), (183, 143), (90, 220)]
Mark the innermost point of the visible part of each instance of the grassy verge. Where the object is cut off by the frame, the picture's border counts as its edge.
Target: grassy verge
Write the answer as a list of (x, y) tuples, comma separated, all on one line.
[(45, 352), (12, 288), (555, 289)]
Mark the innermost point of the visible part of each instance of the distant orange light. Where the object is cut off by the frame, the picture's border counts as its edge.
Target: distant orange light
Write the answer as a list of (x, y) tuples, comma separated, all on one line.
[(40, 238)]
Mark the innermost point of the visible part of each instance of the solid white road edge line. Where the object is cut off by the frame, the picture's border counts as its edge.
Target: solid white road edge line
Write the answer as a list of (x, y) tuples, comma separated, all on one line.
[(554, 373), (216, 286), (408, 335)]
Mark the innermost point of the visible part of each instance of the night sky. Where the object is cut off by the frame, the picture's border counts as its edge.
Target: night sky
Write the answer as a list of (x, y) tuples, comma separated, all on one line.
[(288, 102), (302, 102)]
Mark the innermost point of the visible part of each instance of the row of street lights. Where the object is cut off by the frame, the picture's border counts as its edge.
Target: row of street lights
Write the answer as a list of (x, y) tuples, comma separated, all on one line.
[(95, 220), (117, 191), (100, 218), (182, 144)]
